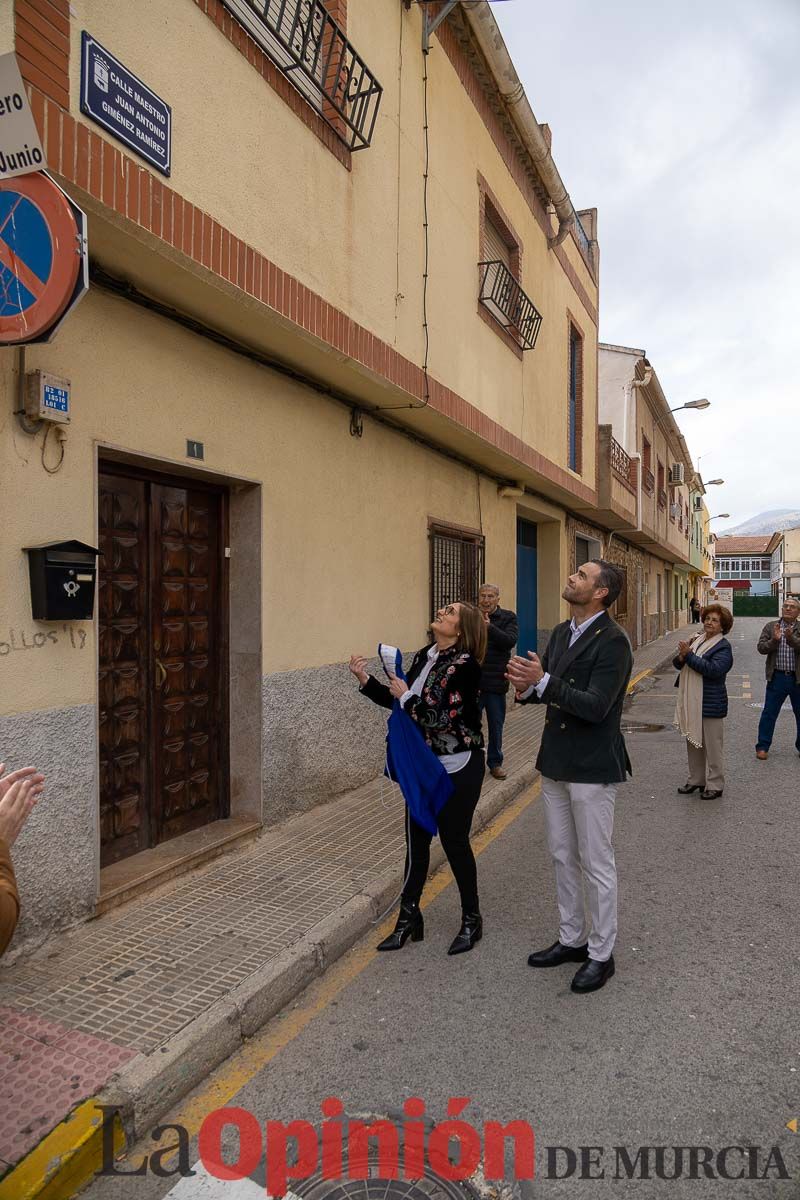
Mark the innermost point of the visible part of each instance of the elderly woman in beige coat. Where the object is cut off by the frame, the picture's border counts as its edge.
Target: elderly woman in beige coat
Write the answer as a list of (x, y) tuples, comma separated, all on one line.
[(704, 663)]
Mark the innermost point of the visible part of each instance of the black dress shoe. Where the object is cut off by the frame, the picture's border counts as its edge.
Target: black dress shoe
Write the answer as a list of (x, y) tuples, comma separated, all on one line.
[(557, 954), (471, 931), (409, 925), (592, 975), (688, 788), (710, 794)]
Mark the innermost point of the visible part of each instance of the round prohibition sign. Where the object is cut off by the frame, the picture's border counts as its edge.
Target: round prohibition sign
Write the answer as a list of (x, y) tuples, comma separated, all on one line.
[(39, 256)]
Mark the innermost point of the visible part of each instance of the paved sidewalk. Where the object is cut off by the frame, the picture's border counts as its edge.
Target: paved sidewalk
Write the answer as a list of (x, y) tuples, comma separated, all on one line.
[(144, 1001)]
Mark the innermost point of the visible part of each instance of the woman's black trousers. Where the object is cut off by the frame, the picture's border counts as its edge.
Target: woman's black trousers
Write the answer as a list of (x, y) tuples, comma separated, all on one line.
[(455, 821)]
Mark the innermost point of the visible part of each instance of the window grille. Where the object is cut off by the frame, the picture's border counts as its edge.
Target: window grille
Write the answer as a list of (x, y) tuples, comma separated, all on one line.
[(307, 45), (512, 308), (456, 565)]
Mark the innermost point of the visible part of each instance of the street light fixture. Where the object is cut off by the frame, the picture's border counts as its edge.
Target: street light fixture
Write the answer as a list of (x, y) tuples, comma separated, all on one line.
[(718, 516), (712, 482), (692, 404)]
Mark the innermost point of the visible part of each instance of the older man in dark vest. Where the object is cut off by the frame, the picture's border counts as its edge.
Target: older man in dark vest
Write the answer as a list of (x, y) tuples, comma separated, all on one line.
[(583, 679), (502, 632)]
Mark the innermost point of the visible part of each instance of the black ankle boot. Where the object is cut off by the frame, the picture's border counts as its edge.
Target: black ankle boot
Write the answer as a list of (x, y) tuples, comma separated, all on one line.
[(409, 924), (471, 931)]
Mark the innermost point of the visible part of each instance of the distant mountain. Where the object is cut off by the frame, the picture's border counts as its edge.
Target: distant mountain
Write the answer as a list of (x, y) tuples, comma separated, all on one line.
[(766, 522)]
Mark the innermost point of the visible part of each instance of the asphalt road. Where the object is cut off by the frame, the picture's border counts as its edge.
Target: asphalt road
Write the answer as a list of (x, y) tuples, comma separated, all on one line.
[(694, 1042)]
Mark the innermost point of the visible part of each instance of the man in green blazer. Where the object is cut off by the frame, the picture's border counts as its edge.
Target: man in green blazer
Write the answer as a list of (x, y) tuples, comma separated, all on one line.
[(582, 677)]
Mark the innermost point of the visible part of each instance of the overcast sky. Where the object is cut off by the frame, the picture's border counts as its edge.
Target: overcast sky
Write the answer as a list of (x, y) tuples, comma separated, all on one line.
[(680, 123)]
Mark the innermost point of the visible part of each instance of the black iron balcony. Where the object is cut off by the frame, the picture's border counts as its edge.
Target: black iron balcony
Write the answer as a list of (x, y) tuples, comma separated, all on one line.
[(623, 466), (509, 305), (649, 482), (304, 41), (582, 237)]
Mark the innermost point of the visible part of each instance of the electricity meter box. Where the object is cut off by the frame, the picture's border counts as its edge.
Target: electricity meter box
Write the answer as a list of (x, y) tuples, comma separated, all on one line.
[(47, 397), (63, 577)]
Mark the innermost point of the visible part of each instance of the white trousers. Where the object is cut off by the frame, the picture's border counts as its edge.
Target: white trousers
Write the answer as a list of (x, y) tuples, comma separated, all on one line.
[(580, 822)]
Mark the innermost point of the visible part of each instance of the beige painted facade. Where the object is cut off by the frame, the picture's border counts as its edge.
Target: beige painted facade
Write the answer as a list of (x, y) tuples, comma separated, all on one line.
[(642, 458), (329, 497), (356, 237)]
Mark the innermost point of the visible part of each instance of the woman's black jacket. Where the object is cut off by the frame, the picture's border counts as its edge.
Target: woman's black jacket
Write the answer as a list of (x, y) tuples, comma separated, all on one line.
[(447, 712), (713, 666)]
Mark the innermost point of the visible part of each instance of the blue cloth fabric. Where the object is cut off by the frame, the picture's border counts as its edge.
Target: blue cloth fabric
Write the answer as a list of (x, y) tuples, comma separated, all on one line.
[(411, 764), (714, 667), (780, 687), (495, 705)]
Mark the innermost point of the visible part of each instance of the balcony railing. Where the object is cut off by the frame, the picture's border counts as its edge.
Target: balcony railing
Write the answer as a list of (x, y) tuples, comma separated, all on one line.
[(649, 482), (304, 41), (502, 295), (662, 499), (582, 237), (623, 466)]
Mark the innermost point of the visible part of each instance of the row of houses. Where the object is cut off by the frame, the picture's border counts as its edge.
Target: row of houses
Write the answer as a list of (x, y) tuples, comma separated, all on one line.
[(338, 364)]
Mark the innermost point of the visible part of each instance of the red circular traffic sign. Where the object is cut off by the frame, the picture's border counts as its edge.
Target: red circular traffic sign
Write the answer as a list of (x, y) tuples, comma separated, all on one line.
[(40, 256)]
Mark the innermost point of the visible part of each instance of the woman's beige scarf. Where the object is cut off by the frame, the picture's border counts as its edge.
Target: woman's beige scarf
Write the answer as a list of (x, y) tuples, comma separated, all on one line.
[(689, 709)]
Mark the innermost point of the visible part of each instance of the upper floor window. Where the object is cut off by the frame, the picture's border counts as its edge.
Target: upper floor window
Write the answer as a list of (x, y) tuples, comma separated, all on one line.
[(500, 290), (575, 401), (648, 478), (311, 49)]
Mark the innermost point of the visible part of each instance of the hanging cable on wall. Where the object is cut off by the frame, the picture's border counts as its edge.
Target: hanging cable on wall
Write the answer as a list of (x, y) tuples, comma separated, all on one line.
[(426, 391), (61, 437)]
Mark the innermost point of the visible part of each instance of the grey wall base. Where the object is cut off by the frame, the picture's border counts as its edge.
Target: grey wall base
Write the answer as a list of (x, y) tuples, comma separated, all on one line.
[(55, 855), (321, 737)]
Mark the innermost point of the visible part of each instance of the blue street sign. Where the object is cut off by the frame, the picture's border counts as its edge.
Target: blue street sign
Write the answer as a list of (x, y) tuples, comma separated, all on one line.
[(118, 100)]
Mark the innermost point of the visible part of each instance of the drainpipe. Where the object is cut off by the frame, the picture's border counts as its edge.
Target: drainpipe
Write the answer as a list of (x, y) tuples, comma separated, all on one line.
[(629, 390), (490, 40), (638, 458)]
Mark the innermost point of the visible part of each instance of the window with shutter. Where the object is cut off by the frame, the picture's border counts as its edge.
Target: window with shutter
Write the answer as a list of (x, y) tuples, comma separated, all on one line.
[(496, 248)]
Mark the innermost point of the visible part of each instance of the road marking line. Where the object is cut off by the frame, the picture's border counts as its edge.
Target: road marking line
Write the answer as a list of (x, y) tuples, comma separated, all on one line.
[(636, 678), (245, 1064)]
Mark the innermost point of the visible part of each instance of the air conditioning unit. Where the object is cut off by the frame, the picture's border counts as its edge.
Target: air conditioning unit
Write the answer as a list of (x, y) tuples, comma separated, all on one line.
[(676, 473)]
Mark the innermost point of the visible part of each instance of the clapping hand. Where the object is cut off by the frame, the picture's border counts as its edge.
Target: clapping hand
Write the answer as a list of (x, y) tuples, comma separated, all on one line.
[(20, 792), (683, 649), (524, 672), (398, 687), (358, 666), (34, 777), (777, 632)]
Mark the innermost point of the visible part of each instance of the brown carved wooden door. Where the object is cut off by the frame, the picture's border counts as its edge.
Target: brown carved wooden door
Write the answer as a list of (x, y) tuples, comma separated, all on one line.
[(162, 681), (124, 684)]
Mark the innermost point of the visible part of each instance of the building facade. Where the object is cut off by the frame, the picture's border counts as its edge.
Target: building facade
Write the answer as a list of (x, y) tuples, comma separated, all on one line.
[(744, 564), (701, 548), (644, 477), (784, 556), (335, 369)]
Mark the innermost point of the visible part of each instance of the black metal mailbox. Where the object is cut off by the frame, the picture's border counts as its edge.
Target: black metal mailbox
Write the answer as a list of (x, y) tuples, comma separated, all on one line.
[(63, 576)]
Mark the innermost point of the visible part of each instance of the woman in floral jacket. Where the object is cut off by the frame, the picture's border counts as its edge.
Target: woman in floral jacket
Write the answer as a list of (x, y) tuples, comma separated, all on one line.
[(441, 696)]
